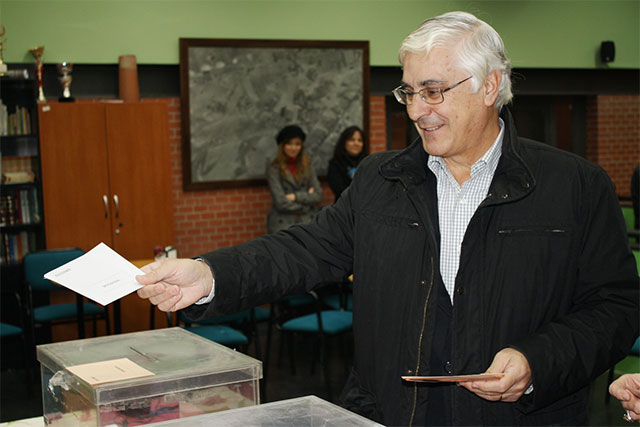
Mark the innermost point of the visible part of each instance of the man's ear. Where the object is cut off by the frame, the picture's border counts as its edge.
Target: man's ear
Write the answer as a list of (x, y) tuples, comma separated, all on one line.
[(491, 87)]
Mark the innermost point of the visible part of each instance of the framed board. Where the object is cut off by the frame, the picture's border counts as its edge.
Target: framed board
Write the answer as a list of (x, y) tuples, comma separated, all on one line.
[(237, 94)]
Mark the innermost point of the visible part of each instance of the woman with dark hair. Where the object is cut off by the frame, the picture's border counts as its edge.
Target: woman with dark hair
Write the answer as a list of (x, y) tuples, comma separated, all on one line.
[(350, 149), (294, 186)]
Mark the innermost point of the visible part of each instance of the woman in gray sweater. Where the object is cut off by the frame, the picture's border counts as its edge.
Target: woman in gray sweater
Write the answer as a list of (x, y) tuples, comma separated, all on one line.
[(295, 189)]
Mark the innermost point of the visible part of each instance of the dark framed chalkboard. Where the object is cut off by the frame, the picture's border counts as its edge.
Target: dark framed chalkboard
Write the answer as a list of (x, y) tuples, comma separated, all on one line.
[(237, 94)]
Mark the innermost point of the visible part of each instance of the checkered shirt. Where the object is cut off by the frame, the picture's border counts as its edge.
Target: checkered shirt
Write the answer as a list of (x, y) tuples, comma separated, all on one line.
[(457, 204)]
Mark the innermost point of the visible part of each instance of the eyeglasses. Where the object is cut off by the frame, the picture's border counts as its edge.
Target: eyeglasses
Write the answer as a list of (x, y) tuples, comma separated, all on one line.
[(430, 95)]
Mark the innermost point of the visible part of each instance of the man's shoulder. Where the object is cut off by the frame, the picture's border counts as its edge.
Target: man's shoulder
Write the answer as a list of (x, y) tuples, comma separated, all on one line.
[(553, 157)]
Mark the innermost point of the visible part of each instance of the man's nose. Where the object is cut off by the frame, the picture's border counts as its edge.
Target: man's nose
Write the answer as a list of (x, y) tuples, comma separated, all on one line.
[(418, 108)]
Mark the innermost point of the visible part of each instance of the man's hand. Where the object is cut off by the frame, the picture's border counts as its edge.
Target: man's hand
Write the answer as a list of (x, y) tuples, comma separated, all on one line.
[(627, 390), (173, 284), (509, 388), (290, 197)]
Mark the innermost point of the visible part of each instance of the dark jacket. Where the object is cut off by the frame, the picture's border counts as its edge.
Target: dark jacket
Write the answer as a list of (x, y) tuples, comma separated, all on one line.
[(284, 213), (545, 268), (338, 173)]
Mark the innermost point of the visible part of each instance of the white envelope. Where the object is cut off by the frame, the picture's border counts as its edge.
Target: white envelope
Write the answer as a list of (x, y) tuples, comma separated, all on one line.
[(101, 275)]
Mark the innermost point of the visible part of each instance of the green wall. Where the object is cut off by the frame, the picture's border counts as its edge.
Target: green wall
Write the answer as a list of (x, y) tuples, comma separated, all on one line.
[(537, 34)]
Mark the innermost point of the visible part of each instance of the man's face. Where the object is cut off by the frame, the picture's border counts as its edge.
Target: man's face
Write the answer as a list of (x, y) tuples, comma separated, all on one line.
[(456, 129)]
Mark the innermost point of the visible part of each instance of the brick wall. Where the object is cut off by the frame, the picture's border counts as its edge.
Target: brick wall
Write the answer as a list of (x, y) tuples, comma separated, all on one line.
[(211, 219), (613, 136), (207, 220)]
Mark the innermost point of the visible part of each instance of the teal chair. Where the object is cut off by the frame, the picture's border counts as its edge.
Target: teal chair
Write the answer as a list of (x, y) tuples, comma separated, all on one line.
[(218, 333), (321, 324), (245, 321), (341, 298), (35, 265)]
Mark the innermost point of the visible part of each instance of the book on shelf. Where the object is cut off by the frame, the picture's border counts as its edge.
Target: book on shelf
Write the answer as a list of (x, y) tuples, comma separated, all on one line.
[(14, 246), (18, 177), (21, 207), (18, 123)]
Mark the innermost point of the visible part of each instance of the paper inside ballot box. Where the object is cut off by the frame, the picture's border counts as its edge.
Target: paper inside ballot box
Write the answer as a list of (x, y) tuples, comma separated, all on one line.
[(109, 371)]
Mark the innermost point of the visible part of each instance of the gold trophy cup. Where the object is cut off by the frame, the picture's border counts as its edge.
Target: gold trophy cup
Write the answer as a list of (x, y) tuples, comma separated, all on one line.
[(64, 69), (37, 53)]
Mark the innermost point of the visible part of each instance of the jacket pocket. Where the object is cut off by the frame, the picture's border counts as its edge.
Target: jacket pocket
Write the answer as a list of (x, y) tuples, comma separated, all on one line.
[(392, 221), (532, 231), (356, 399)]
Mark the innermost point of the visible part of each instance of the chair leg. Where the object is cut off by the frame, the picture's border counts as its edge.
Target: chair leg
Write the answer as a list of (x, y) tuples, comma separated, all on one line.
[(292, 358), (324, 361)]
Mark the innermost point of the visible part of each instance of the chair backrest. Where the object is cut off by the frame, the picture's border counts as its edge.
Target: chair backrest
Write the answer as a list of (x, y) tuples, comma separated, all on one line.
[(37, 264)]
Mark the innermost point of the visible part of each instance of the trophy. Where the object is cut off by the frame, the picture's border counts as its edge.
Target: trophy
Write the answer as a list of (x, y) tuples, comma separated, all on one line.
[(37, 53), (64, 69), (3, 66)]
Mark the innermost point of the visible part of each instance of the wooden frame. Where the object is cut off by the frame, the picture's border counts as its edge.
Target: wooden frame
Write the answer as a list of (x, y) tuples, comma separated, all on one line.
[(237, 94)]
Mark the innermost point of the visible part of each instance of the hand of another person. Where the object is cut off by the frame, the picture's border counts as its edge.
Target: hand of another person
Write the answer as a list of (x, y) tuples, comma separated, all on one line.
[(173, 284), (627, 390), (509, 388), (290, 197), (312, 190)]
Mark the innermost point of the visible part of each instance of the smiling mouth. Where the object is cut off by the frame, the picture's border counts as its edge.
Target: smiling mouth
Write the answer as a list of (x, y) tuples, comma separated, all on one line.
[(428, 127)]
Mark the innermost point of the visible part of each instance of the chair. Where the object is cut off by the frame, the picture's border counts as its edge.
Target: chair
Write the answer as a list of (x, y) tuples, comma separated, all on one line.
[(219, 333), (342, 299), (35, 265), (321, 323)]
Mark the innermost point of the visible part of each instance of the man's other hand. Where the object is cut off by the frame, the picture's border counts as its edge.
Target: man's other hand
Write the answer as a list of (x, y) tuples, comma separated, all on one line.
[(509, 388)]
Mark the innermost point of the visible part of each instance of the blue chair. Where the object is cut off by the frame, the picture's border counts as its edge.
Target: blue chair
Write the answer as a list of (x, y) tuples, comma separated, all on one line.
[(36, 265), (342, 298), (321, 324), (219, 333)]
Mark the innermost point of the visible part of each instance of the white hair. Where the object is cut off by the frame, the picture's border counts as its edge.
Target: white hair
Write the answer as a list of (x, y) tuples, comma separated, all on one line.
[(479, 48)]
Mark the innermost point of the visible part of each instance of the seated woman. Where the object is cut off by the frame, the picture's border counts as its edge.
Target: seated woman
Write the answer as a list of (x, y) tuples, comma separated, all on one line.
[(350, 149), (294, 186)]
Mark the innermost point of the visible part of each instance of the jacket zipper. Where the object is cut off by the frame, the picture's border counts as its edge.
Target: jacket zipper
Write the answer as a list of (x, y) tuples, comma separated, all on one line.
[(424, 321)]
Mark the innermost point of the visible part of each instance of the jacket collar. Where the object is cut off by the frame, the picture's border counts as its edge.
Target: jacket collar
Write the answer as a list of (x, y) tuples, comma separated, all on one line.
[(512, 179)]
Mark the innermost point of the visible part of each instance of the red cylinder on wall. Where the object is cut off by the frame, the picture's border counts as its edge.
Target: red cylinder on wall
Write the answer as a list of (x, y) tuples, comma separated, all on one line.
[(128, 78)]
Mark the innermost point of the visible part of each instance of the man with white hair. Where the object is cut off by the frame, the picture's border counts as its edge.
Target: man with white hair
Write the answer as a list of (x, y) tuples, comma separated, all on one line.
[(473, 250)]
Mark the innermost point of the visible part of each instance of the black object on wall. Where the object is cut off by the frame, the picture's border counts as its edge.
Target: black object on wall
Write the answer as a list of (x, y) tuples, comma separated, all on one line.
[(607, 51)]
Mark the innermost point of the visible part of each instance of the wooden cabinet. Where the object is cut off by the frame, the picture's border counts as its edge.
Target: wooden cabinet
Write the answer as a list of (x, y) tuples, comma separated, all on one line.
[(105, 178), (105, 170)]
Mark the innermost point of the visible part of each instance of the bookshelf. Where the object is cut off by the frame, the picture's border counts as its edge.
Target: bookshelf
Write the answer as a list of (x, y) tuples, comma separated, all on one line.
[(21, 213)]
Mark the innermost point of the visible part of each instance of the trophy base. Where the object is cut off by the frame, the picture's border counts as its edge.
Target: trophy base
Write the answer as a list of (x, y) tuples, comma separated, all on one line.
[(69, 99)]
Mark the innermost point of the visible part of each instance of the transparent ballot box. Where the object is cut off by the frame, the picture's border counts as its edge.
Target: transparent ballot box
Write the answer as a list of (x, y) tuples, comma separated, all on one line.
[(307, 411), (179, 374)]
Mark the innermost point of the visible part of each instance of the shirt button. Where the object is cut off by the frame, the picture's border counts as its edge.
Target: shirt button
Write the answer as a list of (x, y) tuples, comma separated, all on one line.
[(448, 368), (422, 282), (463, 201)]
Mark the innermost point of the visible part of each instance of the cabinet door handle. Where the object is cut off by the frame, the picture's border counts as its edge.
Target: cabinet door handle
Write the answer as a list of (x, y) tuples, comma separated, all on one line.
[(116, 201), (106, 205)]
